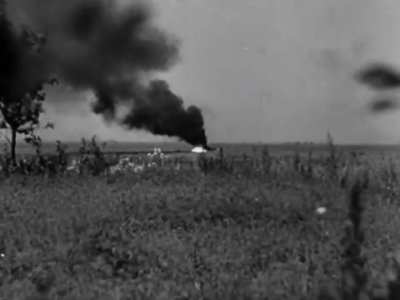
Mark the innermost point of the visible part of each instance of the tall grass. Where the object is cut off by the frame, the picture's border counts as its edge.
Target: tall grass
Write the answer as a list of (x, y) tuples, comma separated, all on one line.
[(236, 227)]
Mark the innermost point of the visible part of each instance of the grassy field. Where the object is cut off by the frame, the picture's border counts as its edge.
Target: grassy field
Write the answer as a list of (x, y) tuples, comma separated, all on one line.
[(248, 230)]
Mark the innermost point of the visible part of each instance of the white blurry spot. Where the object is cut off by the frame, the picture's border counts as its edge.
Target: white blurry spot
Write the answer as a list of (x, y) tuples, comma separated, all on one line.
[(199, 149), (321, 210), (2, 255), (138, 169)]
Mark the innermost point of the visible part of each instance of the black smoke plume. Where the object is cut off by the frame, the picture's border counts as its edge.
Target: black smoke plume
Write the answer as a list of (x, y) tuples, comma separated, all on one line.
[(379, 76), (114, 51), (160, 111)]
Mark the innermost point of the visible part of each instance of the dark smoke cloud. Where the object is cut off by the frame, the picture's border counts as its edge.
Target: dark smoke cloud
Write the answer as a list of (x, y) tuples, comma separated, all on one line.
[(379, 76), (383, 104), (21, 66), (162, 112), (114, 52)]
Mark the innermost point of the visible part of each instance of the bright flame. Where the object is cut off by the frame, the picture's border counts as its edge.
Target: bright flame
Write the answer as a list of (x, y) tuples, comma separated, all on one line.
[(199, 149)]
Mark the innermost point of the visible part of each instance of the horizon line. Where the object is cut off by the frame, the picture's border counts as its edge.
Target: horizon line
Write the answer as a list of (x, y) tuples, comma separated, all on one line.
[(301, 143)]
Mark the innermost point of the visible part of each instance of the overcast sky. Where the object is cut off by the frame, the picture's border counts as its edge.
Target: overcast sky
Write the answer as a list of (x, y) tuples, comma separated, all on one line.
[(267, 70)]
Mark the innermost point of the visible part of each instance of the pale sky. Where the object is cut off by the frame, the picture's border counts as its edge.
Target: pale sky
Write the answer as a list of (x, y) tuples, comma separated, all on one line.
[(266, 71)]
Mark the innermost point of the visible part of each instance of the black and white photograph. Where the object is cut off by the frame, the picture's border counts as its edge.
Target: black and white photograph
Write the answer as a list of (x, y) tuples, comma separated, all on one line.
[(199, 149)]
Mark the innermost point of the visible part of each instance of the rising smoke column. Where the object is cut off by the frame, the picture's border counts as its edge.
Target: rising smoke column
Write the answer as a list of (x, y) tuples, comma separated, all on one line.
[(160, 111), (114, 51)]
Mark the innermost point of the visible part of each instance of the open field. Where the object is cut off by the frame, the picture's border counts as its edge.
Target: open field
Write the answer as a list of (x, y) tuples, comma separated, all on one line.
[(245, 229)]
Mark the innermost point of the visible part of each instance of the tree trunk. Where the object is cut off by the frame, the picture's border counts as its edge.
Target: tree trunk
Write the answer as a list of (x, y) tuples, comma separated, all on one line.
[(13, 145)]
